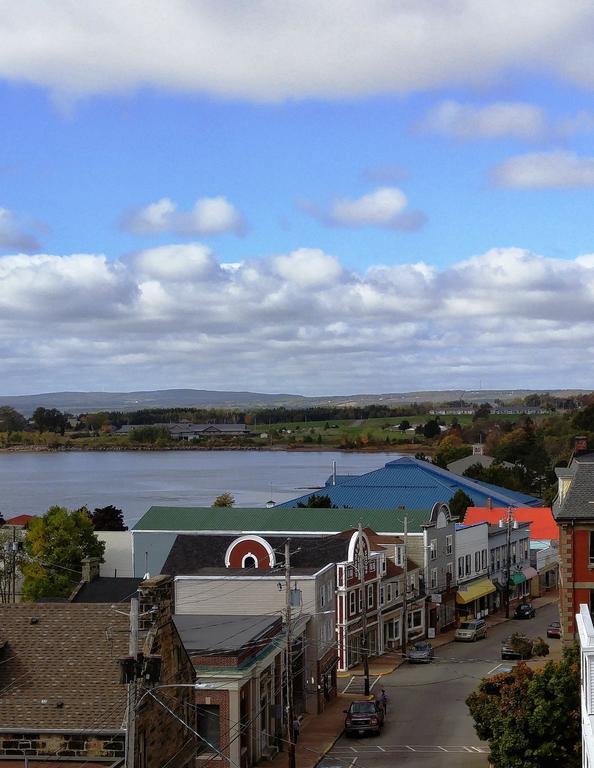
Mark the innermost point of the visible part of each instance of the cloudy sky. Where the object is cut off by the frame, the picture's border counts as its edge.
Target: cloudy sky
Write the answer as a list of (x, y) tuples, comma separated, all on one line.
[(319, 197)]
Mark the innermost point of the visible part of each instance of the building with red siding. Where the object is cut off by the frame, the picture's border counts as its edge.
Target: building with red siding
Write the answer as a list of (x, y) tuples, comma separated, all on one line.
[(574, 512)]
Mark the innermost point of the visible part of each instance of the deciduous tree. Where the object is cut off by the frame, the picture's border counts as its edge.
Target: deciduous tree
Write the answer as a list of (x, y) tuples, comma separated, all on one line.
[(459, 503), (531, 718), (55, 546), (224, 500)]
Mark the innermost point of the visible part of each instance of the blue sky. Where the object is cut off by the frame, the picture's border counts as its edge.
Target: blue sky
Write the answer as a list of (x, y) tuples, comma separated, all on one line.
[(327, 171)]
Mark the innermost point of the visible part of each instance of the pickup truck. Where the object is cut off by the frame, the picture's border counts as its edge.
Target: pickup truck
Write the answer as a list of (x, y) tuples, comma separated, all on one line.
[(364, 717)]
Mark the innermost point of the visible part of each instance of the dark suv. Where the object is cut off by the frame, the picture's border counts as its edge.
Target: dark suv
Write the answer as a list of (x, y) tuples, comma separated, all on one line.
[(364, 717)]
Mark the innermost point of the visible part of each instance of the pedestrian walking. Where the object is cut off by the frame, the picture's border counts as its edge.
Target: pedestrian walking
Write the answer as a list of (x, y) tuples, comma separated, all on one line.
[(384, 701), (296, 730)]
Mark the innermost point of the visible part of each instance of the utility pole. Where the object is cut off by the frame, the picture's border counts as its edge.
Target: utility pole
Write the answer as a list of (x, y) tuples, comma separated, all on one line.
[(14, 551), (405, 609), (508, 560), (133, 652), (364, 637), (290, 714)]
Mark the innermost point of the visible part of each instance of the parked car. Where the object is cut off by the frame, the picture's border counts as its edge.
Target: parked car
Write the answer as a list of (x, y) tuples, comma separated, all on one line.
[(363, 717), (516, 647), (525, 611), (554, 629), (420, 653), (472, 630)]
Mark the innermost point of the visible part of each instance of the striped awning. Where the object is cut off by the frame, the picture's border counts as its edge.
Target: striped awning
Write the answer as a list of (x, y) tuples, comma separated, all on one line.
[(529, 572)]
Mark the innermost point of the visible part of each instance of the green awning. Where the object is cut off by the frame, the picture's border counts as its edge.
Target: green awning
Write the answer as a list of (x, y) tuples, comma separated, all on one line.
[(516, 578)]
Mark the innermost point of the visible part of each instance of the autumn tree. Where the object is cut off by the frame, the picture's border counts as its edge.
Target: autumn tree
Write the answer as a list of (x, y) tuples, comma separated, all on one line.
[(224, 500), (531, 718), (55, 546)]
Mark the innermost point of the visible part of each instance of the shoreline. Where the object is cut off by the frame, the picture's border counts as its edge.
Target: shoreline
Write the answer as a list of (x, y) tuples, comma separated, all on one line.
[(408, 449)]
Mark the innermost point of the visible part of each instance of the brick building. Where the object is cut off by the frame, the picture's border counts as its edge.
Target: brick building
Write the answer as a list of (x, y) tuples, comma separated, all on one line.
[(574, 512), (239, 685)]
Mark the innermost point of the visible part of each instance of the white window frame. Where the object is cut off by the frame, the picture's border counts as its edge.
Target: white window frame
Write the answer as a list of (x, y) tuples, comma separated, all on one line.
[(449, 544), (434, 578), (352, 602), (433, 549), (370, 595)]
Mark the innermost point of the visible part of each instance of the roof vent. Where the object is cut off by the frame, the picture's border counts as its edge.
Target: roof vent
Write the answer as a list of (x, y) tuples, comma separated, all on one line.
[(33, 620)]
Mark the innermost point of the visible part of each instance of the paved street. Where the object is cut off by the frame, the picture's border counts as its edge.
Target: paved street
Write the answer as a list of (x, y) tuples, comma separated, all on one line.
[(428, 725)]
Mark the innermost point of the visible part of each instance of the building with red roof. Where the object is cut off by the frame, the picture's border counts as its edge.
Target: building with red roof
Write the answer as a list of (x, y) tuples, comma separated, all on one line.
[(21, 520), (543, 526)]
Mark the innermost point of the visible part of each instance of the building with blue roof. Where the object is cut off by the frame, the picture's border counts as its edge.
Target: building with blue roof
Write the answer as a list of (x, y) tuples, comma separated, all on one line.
[(413, 484)]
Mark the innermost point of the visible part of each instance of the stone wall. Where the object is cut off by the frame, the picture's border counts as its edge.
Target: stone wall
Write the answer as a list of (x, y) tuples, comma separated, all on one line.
[(63, 745)]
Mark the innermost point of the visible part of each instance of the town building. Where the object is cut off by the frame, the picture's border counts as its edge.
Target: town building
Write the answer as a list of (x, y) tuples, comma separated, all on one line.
[(239, 685), (544, 541), (410, 483), (509, 562), (573, 510), (478, 456), (439, 560), (472, 570), (186, 430), (585, 635)]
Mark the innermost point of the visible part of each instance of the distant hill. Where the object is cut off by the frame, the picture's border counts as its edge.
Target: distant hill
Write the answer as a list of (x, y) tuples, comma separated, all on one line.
[(88, 402)]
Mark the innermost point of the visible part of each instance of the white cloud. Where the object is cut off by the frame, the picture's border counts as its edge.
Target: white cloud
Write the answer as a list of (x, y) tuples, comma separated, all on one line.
[(295, 322), (208, 216), (313, 48), (511, 119), (14, 233), (385, 207), (491, 121), (546, 170)]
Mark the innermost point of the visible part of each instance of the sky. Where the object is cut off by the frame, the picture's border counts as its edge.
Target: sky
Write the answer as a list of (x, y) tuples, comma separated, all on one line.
[(315, 197)]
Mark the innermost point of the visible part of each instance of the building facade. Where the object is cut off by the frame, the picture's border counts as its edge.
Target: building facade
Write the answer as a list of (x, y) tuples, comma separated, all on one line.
[(439, 556), (574, 512), (472, 570), (585, 634)]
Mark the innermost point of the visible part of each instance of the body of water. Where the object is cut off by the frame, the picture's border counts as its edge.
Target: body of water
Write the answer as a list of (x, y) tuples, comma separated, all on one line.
[(134, 481)]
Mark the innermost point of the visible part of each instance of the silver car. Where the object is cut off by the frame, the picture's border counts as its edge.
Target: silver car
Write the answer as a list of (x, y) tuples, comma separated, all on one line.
[(420, 653), (472, 630)]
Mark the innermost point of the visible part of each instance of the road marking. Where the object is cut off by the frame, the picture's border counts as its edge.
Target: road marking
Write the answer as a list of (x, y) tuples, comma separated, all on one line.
[(490, 672), (350, 682), (379, 677), (353, 761), (369, 749)]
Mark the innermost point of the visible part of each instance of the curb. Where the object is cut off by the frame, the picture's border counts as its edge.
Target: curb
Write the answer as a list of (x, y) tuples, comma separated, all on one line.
[(331, 745)]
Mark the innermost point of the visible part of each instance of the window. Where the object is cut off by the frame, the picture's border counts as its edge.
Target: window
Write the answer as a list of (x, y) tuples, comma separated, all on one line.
[(352, 608), (434, 578), (492, 560), (396, 589), (322, 595), (460, 567), (411, 584), (208, 725), (525, 549), (415, 619), (477, 562), (592, 548), (449, 544), (433, 549), (389, 593), (249, 561), (468, 565), (498, 558), (399, 555), (514, 554), (392, 630), (360, 591), (483, 559), (370, 596), (449, 572), (383, 564), (382, 596)]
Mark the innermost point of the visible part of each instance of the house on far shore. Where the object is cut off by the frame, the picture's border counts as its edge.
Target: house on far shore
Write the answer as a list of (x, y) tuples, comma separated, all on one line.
[(186, 430), (478, 456)]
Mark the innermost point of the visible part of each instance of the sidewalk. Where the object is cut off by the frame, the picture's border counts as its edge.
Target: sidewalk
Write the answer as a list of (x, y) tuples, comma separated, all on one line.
[(318, 735), (320, 732)]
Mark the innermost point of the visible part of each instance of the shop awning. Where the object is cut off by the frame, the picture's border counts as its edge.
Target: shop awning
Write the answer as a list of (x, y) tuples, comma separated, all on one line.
[(529, 572), (516, 578), (469, 592)]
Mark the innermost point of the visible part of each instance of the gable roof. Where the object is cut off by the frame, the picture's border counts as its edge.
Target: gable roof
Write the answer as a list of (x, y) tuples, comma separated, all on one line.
[(578, 502), (224, 633), (278, 520), (191, 553), (62, 653), (19, 520), (106, 589), (542, 522), (411, 483)]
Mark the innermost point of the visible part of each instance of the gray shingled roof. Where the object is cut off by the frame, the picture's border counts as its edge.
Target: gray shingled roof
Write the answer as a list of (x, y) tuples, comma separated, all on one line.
[(62, 653), (579, 500), (222, 633)]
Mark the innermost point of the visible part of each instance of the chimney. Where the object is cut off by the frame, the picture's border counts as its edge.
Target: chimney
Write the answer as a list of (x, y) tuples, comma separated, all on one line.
[(90, 569), (580, 445), (489, 503)]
